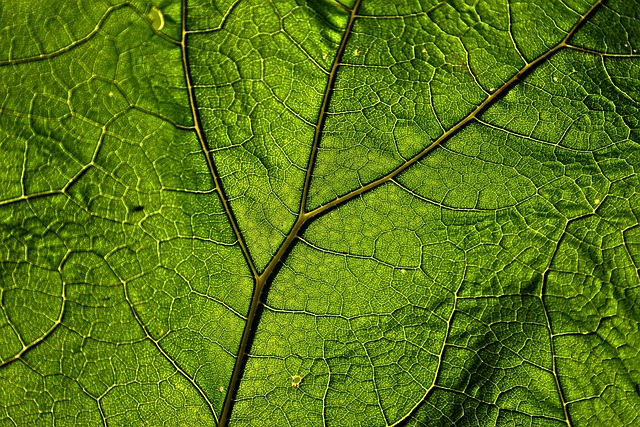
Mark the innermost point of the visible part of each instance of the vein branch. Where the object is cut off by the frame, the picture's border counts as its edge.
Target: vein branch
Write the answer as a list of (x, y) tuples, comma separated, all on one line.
[(303, 217), (461, 124), (323, 109), (547, 316), (203, 144)]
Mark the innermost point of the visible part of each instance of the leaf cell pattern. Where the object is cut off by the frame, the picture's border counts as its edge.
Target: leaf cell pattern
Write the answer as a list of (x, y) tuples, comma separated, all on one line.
[(353, 213)]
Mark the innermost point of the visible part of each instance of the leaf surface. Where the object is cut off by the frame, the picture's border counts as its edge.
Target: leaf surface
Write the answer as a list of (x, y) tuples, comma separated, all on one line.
[(365, 213)]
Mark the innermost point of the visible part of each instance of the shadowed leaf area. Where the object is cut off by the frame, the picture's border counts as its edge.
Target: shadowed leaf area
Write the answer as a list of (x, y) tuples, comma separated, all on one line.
[(319, 213)]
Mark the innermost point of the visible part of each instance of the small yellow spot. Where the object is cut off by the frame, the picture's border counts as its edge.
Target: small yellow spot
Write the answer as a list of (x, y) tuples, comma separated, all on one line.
[(596, 201), (626, 45), (555, 79), (221, 389), (403, 271), (296, 380), (492, 89), (324, 55), (157, 18), (111, 94), (356, 52), (424, 50)]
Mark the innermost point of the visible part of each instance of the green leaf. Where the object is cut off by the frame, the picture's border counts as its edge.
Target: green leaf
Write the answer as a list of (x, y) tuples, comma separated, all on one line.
[(322, 213)]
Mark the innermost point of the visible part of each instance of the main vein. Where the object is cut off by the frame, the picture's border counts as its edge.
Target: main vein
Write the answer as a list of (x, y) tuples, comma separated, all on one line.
[(302, 218)]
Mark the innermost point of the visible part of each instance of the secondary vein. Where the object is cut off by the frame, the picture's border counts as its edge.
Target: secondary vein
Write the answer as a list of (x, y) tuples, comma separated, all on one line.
[(458, 126), (203, 144)]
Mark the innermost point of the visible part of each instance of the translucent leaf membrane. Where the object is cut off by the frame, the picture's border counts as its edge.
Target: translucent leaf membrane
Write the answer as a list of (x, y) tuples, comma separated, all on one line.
[(468, 252)]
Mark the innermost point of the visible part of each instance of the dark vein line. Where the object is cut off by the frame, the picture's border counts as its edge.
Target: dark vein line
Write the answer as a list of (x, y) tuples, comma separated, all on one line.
[(629, 251), (438, 373), (328, 91), (159, 116), (510, 31), (261, 280), (223, 21), (461, 124), (405, 16), (604, 54), (203, 144), (547, 317), (543, 288)]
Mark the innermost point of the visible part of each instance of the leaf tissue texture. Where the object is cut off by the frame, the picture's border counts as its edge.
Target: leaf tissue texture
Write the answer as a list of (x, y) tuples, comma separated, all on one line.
[(319, 213)]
